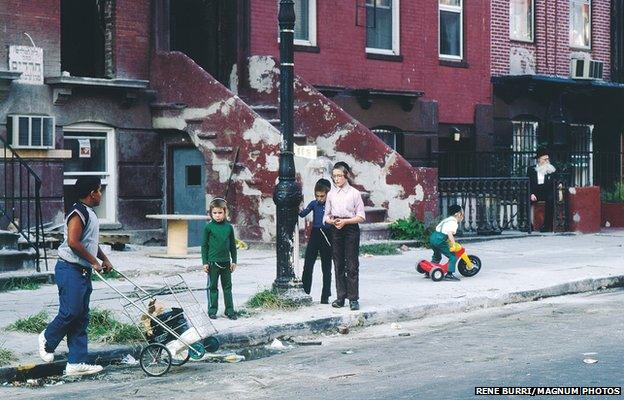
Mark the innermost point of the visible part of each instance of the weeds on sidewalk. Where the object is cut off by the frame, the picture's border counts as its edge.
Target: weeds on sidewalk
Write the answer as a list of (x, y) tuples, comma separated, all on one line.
[(412, 229), (107, 275), (18, 284), (379, 249), (270, 299), (103, 327), (33, 324), (6, 356)]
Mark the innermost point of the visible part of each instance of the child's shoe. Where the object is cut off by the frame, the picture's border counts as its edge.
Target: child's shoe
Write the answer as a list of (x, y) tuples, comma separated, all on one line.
[(450, 277), (232, 316), (212, 316)]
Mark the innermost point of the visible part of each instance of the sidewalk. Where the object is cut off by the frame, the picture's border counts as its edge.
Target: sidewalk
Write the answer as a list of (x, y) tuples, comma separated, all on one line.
[(514, 270)]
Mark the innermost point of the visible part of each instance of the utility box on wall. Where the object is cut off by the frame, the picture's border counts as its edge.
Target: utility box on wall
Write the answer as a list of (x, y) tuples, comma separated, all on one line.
[(584, 207)]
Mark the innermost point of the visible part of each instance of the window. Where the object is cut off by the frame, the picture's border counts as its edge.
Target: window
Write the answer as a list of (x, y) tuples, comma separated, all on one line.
[(580, 23), (93, 153), (30, 131), (451, 29), (382, 26), (521, 20), (387, 136), (305, 22), (523, 146), (193, 175), (581, 155)]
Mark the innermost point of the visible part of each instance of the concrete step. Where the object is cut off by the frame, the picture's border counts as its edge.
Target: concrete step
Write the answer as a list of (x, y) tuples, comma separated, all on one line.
[(9, 240), (266, 111), (167, 106), (375, 214), (374, 231), (14, 260)]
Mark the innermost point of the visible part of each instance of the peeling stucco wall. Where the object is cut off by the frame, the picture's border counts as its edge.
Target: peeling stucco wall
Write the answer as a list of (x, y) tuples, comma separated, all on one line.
[(221, 124)]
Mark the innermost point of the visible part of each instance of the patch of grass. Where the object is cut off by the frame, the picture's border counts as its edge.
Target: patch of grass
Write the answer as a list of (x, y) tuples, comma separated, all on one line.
[(107, 275), (6, 357), (412, 229), (379, 249), (270, 299), (19, 284), (103, 327), (32, 324)]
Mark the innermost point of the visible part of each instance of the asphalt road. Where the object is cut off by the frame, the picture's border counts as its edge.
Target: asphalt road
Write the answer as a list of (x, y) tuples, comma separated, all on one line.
[(541, 343)]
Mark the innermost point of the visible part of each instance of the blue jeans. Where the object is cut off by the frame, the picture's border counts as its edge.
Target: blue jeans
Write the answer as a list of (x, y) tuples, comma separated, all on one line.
[(73, 316)]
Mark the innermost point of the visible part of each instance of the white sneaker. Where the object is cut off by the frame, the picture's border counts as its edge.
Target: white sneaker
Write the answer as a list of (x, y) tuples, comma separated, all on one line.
[(82, 369), (45, 356)]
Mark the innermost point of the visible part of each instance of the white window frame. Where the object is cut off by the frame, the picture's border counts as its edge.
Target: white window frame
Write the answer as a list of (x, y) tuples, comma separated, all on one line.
[(521, 39), (109, 178), (14, 139), (311, 26), (460, 10), (591, 22), (396, 33)]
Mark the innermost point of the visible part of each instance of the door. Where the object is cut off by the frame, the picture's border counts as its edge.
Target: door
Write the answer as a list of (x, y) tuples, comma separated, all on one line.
[(189, 195)]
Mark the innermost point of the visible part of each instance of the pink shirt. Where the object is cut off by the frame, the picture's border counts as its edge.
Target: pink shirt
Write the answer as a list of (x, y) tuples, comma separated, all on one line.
[(344, 202)]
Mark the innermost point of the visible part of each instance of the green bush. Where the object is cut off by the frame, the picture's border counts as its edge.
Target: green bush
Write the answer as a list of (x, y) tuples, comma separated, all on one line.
[(380, 249), (19, 284), (616, 195), (411, 229), (33, 324), (270, 299)]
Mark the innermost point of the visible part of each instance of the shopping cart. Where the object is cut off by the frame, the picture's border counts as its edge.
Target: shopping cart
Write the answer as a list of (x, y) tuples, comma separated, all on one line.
[(172, 321)]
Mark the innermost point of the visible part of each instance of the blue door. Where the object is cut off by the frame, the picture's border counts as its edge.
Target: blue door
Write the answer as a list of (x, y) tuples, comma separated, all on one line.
[(189, 196)]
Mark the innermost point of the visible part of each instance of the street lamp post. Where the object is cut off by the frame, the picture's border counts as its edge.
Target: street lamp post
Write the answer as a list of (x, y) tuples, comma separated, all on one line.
[(287, 194)]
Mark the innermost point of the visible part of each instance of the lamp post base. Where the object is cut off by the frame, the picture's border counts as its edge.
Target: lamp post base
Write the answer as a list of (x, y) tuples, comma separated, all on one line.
[(293, 292)]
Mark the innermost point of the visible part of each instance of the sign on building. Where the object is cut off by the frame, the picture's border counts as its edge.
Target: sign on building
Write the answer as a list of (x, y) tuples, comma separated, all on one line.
[(305, 151), (29, 61)]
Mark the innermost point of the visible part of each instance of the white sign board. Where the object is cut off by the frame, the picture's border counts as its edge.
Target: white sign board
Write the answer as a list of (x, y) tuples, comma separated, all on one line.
[(84, 148), (306, 151), (29, 61)]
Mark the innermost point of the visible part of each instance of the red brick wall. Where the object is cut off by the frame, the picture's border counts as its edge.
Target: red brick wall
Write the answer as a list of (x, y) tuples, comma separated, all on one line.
[(41, 20), (132, 38), (551, 45), (342, 59)]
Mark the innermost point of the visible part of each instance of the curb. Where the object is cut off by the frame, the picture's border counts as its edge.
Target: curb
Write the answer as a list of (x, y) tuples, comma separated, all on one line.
[(360, 319)]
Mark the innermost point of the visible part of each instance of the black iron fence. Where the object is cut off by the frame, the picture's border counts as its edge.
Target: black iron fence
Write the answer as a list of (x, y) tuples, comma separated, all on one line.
[(584, 168), (20, 201), (491, 204)]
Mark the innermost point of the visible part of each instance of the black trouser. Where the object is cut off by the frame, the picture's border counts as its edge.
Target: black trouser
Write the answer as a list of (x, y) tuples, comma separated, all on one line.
[(544, 193), (345, 252), (318, 244)]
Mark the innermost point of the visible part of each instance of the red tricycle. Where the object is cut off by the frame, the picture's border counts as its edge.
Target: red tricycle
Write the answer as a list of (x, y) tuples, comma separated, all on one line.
[(467, 265)]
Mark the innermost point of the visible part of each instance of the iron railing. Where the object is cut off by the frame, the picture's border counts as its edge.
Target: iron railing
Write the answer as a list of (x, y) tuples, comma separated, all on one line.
[(490, 204), (20, 201)]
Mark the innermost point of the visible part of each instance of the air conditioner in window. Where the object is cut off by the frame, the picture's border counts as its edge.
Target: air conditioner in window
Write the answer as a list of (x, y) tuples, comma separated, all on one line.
[(30, 131), (585, 69)]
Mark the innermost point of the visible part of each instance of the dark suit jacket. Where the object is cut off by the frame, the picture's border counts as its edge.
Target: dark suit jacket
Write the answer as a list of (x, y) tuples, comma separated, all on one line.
[(546, 189)]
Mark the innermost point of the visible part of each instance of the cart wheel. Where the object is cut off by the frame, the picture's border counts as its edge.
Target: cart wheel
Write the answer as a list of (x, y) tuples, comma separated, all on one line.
[(419, 269), (436, 274), (211, 344), (463, 268), (181, 358), (197, 351), (155, 359)]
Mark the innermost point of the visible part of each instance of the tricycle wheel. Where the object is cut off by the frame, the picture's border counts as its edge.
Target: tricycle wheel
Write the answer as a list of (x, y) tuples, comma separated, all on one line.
[(463, 268), (436, 274), (155, 359)]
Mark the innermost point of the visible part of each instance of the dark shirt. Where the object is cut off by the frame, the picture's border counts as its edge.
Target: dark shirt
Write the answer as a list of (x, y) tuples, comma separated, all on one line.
[(319, 212)]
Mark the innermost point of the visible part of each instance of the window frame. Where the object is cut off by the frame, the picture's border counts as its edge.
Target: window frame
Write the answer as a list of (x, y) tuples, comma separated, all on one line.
[(444, 7), (572, 45), (109, 178), (311, 26), (396, 33), (13, 121), (520, 39)]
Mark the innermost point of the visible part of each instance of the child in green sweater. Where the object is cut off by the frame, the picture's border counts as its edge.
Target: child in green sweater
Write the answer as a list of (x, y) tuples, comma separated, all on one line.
[(219, 257)]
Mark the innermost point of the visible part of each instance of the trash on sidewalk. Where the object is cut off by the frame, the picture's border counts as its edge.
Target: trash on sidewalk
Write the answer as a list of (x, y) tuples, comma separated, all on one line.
[(233, 358), (129, 360), (342, 376), (404, 248), (278, 345), (395, 325), (347, 352), (368, 255), (343, 329), (589, 360), (309, 342), (404, 334)]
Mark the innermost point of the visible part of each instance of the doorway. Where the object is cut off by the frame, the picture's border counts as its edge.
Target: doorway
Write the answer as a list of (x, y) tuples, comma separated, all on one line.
[(189, 194), (207, 32)]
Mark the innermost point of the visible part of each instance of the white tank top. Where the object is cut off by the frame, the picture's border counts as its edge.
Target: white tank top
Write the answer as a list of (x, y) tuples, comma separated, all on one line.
[(90, 234)]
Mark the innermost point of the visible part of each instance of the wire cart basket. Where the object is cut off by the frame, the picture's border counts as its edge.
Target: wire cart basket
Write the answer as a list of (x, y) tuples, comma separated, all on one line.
[(173, 323)]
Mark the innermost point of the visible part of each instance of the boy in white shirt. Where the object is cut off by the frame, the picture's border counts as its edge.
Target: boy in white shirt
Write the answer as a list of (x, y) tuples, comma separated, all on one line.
[(443, 238)]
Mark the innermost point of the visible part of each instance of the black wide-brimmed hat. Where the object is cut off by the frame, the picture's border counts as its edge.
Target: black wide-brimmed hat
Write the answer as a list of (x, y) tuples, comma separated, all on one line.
[(542, 152)]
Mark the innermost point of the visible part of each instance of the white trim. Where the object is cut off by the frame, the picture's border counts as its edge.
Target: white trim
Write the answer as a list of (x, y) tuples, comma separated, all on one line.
[(14, 139), (520, 39), (311, 26), (457, 9), (109, 178), (396, 33), (573, 46)]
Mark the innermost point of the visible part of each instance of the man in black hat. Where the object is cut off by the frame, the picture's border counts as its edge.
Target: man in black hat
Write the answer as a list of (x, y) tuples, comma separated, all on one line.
[(541, 186)]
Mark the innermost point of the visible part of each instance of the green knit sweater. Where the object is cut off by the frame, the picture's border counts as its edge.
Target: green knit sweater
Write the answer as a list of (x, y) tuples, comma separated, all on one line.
[(218, 243)]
